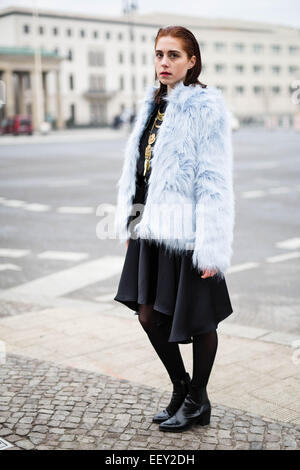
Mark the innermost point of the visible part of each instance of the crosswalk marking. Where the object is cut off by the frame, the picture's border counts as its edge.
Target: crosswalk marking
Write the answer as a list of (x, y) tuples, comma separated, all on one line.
[(253, 194), (35, 207), (283, 257), (65, 281), (289, 244), (243, 267), (13, 252), (76, 210), (63, 255), (7, 267)]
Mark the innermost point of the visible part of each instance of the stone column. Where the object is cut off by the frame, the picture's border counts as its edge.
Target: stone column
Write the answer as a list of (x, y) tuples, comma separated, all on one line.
[(36, 96), (9, 106), (59, 120), (21, 93)]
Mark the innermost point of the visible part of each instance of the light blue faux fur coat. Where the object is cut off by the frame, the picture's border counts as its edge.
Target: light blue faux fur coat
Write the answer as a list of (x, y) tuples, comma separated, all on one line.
[(190, 201)]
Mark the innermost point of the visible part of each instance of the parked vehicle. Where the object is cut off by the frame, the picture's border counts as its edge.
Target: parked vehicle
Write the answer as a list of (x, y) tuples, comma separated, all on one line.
[(19, 124)]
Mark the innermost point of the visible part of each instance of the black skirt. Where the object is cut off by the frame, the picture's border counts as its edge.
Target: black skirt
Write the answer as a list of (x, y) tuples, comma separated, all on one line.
[(180, 297)]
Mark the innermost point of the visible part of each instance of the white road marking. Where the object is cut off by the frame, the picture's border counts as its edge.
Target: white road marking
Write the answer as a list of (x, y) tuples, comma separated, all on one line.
[(76, 210), (290, 243), (63, 255), (279, 190), (283, 257), (242, 267), (12, 202), (35, 207), (63, 282), (13, 253), (7, 266), (253, 194)]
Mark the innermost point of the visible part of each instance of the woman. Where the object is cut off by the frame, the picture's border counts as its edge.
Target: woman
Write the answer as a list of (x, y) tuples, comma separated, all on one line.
[(177, 176)]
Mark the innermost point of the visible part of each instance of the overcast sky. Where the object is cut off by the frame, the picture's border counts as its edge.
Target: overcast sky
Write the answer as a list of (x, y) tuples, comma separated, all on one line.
[(286, 12)]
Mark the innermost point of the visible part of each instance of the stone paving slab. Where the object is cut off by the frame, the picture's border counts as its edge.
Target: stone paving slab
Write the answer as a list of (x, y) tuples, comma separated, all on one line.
[(249, 373), (47, 406)]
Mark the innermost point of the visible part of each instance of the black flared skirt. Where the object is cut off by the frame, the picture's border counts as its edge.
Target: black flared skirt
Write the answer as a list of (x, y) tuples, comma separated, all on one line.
[(189, 304)]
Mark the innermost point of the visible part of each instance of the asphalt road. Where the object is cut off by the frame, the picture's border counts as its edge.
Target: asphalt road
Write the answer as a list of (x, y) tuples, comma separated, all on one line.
[(49, 193)]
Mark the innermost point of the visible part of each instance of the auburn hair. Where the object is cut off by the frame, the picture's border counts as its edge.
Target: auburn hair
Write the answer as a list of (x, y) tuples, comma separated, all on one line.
[(191, 47)]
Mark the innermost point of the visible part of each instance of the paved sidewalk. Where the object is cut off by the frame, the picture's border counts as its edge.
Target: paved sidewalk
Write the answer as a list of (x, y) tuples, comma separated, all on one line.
[(46, 406), (59, 358)]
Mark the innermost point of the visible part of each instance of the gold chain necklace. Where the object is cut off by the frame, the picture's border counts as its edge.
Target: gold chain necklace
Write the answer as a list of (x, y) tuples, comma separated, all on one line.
[(151, 140)]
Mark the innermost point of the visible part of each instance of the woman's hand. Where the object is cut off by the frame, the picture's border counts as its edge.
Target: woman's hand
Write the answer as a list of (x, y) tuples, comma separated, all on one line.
[(208, 273), (127, 243)]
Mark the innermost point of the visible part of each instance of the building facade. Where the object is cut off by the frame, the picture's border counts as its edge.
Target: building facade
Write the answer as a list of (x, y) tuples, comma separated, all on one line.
[(92, 68)]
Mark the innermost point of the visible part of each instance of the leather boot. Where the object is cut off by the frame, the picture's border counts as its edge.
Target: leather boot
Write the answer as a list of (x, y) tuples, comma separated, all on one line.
[(195, 409), (180, 391)]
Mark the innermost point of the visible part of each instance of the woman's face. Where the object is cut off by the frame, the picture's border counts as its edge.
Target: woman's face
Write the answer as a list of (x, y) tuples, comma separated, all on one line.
[(170, 57)]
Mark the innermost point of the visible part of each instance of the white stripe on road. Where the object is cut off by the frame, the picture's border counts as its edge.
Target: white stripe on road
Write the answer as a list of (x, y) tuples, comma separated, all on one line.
[(12, 267), (253, 194), (35, 207), (279, 190), (66, 281), (283, 257), (76, 210), (63, 255), (242, 267), (12, 202), (13, 253), (290, 243)]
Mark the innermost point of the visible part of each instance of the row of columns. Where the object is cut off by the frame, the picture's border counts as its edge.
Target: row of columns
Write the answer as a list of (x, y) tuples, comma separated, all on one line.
[(15, 97)]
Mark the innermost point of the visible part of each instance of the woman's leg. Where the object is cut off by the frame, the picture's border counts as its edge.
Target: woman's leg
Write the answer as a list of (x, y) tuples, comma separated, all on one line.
[(169, 353), (204, 352)]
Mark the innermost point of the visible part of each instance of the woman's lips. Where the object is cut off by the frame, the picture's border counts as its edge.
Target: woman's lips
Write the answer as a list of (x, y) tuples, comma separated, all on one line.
[(165, 73)]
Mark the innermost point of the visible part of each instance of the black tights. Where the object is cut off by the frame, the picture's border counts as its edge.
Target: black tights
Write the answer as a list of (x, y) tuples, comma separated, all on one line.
[(204, 349)]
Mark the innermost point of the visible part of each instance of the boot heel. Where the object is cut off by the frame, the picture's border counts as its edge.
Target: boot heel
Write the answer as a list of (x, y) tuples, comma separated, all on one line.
[(204, 419)]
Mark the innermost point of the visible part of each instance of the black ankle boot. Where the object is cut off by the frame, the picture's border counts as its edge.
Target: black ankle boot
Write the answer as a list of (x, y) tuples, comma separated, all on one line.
[(195, 409), (180, 391)]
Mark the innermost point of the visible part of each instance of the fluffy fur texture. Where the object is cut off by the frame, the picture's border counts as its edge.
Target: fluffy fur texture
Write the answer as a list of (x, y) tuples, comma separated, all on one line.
[(191, 169)]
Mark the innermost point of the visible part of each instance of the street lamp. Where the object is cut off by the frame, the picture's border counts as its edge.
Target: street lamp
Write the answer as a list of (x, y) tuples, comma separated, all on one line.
[(37, 71), (129, 8)]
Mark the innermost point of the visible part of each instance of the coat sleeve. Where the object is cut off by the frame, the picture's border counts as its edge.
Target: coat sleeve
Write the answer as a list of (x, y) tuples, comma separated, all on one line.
[(214, 197)]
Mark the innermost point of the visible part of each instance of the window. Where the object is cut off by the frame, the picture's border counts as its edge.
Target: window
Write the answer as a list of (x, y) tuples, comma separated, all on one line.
[(275, 90), (107, 35), (276, 69), (121, 82), (97, 82), (276, 48), (121, 58), (220, 46), (239, 90), (258, 90), (70, 55), (41, 30), (239, 68), (239, 47), (26, 28), (96, 58), (69, 32), (95, 34), (293, 50), (143, 38), (220, 68), (82, 33), (293, 69), (71, 82), (120, 36), (257, 68), (55, 31), (132, 58), (144, 59), (257, 48)]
